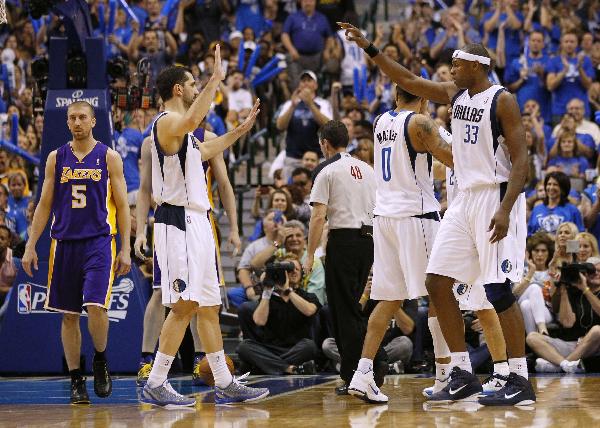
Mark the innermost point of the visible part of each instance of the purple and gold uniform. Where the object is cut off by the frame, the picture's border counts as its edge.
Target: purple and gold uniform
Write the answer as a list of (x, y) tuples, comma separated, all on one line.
[(83, 249)]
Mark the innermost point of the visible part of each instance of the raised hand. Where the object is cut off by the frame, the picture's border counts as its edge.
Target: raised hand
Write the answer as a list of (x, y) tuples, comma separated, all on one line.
[(354, 34), (249, 122), (218, 71)]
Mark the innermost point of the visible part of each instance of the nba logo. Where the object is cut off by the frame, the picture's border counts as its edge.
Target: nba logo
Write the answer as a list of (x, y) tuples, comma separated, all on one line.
[(24, 302)]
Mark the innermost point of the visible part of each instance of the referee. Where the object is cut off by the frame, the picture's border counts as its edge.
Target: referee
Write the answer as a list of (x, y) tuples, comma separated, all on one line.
[(344, 193)]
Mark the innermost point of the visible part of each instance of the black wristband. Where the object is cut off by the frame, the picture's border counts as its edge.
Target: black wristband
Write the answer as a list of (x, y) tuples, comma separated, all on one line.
[(371, 50)]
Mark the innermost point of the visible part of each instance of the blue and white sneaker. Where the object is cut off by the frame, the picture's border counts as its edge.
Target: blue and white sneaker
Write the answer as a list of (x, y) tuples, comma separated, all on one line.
[(494, 383), (463, 385), (238, 392), (516, 392), (437, 386), (364, 387), (165, 396)]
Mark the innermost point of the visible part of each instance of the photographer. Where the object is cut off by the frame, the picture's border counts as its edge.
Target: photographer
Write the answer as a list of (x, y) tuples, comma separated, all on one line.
[(577, 304), (285, 312)]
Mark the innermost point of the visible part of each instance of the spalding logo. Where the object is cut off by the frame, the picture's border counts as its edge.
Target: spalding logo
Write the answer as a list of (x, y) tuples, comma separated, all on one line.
[(506, 266), (179, 285)]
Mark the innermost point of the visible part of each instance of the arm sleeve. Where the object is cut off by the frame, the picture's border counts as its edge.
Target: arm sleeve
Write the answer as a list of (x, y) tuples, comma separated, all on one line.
[(320, 190)]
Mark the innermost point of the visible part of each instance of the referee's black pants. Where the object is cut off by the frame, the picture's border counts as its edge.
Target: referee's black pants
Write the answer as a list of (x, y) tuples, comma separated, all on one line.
[(348, 261)]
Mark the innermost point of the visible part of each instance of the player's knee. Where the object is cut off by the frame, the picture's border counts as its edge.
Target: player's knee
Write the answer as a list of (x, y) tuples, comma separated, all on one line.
[(533, 338), (594, 332), (70, 319), (500, 295)]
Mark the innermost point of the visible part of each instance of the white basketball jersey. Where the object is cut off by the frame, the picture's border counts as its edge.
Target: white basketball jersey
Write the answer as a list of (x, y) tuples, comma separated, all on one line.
[(451, 187), (480, 155), (404, 177), (179, 179), (353, 58)]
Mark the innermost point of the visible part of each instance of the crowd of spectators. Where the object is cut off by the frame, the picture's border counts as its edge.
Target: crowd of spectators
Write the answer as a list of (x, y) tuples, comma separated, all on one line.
[(546, 52)]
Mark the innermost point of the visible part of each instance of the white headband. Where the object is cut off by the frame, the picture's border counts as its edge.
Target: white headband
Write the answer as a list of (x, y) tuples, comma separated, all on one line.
[(471, 57)]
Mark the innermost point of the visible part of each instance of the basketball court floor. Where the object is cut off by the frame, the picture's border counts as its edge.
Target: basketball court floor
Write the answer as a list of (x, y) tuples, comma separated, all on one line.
[(297, 401)]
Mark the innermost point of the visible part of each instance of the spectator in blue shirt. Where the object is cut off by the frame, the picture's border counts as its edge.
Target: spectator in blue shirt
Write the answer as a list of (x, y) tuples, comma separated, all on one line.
[(569, 76), (585, 143), (17, 203), (568, 159), (556, 208), (456, 33), (504, 10), (128, 142), (526, 76), (119, 40), (304, 36)]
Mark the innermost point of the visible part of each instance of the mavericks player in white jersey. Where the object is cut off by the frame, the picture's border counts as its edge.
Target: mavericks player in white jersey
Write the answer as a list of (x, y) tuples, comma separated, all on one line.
[(483, 225), (184, 243), (405, 224), (354, 58)]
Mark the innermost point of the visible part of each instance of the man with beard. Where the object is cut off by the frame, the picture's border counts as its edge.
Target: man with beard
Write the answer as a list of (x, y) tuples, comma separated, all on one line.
[(182, 229)]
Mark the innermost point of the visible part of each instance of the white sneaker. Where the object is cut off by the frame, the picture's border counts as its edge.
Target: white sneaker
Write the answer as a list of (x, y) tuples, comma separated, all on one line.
[(494, 383), (363, 386), (545, 366), (572, 367)]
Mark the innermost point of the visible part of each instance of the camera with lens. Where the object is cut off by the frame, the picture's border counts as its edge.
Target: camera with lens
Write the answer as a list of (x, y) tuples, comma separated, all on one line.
[(569, 273), (275, 272)]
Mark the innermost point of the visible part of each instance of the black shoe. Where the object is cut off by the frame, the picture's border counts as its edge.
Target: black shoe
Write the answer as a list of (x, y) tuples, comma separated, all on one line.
[(307, 368), (342, 390), (461, 386), (516, 392), (79, 394), (102, 380), (380, 370)]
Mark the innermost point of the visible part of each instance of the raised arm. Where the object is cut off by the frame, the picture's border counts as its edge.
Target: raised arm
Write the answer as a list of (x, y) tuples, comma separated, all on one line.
[(440, 93), (177, 125), (210, 149), (509, 117)]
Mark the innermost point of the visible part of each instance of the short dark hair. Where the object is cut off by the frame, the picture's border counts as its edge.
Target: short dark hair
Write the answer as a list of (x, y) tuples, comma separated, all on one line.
[(82, 104), (563, 182), (169, 77), (405, 96), (5, 227), (478, 49), (541, 238), (301, 170), (335, 132)]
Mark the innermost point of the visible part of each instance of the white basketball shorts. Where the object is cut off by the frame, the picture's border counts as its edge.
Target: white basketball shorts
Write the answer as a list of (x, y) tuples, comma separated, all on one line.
[(185, 250), (402, 248), (471, 297), (462, 249)]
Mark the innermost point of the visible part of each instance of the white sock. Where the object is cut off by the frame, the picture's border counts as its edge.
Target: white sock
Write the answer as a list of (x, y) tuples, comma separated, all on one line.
[(502, 368), (219, 369), (440, 347), (518, 366), (365, 365), (160, 370), (441, 376), (442, 370), (461, 360)]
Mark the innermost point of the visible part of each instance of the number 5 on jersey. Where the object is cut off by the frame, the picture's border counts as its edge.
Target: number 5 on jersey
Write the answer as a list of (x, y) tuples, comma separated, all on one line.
[(79, 198)]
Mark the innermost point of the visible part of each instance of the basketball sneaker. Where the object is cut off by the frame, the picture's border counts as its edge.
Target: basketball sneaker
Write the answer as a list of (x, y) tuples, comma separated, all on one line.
[(196, 376), (165, 396), (516, 392), (79, 394), (437, 386), (494, 383), (364, 387), (144, 370), (238, 392), (102, 380), (462, 385)]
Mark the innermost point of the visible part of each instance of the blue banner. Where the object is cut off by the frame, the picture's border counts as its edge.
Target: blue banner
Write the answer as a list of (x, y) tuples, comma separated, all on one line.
[(30, 336)]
